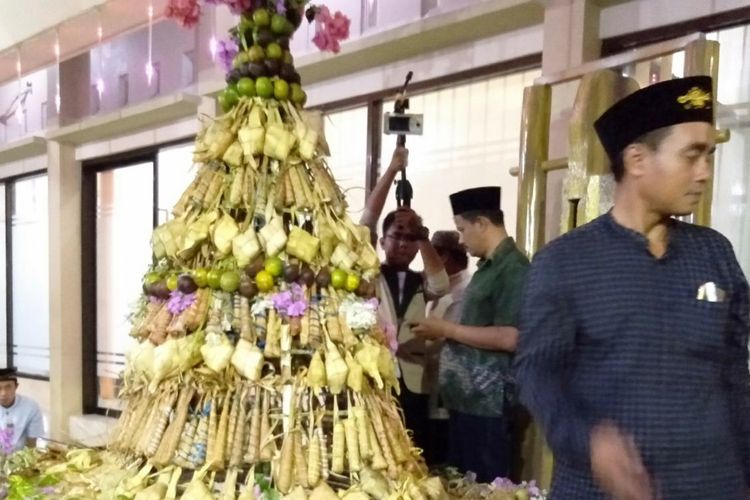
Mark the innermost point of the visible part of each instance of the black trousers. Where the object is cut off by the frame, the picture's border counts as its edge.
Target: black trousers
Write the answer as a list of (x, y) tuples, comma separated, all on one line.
[(482, 445), (417, 416)]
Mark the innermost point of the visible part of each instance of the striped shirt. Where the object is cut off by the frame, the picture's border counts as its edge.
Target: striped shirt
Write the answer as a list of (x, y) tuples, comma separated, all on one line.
[(610, 332)]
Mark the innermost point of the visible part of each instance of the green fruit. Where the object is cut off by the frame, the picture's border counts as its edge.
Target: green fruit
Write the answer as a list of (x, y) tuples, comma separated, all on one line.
[(200, 276), (172, 282), (274, 51), (256, 54), (151, 278), (214, 278), (264, 87), (246, 87), (522, 495), (274, 266), (338, 278), (229, 281), (228, 98), (297, 95), (287, 57), (279, 24), (264, 281), (246, 23), (243, 57), (352, 282), (281, 90), (261, 17)]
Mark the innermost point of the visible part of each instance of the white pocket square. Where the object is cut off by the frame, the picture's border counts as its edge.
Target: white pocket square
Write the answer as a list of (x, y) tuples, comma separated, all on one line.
[(711, 293)]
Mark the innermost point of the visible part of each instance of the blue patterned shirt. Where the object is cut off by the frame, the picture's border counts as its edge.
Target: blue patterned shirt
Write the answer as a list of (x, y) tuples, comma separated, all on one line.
[(610, 332)]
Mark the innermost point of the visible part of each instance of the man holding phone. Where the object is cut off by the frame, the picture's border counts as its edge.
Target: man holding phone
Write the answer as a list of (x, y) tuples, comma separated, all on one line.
[(475, 361)]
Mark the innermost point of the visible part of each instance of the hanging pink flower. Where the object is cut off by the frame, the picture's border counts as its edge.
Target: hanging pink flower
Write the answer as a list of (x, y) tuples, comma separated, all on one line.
[(325, 42), (330, 30), (391, 337), (338, 26), (186, 12)]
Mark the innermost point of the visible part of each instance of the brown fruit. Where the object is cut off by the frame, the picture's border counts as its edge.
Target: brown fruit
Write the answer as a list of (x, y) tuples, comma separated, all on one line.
[(254, 267), (366, 289), (247, 287), (324, 278), (307, 276), (186, 284), (291, 272), (160, 290)]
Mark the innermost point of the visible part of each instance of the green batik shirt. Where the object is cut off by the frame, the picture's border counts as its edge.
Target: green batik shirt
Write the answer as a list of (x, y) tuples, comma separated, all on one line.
[(473, 380)]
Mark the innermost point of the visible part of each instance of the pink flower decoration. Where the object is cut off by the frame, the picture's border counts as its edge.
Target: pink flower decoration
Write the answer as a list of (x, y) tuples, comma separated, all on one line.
[(338, 26), (330, 30), (186, 12), (325, 42), (391, 337)]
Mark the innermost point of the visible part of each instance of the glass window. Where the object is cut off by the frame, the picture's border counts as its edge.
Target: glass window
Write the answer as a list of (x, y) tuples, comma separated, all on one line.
[(471, 134), (3, 285), (175, 173), (730, 209), (346, 133), (30, 276), (124, 221)]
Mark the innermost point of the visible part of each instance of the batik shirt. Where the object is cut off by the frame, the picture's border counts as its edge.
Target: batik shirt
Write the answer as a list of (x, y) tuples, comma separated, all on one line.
[(473, 380)]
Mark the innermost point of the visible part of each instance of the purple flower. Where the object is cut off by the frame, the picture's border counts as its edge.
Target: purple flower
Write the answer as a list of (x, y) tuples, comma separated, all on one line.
[(178, 302), (372, 304), (533, 488), (297, 309), (282, 300), (280, 7), (6, 441), (226, 52), (48, 490), (502, 483), (297, 291)]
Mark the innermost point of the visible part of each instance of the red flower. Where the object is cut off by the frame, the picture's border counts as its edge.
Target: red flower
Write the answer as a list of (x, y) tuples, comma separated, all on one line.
[(186, 12)]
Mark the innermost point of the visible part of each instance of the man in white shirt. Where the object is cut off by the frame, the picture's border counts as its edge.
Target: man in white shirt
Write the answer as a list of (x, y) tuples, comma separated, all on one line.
[(20, 417), (456, 261), (404, 294)]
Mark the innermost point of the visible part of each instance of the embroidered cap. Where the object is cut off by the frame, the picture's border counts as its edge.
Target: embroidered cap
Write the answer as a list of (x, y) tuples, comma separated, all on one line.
[(662, 104), (481, 198)]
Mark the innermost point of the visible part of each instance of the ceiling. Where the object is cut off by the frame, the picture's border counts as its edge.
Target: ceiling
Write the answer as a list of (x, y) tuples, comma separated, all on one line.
[(78, 33)]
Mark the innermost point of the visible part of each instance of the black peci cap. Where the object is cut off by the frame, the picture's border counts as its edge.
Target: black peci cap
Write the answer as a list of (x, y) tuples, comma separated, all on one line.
[(663, 104), (469, 200)]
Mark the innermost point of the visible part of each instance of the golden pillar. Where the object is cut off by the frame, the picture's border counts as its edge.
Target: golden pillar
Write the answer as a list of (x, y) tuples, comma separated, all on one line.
[(532, 179), (588, 188), (702, 58)]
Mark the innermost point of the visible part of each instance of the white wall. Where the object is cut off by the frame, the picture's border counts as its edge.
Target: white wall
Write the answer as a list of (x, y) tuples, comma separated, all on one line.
[(129, 55), (637, 15), (18, 22), (33, 121), (429, 66)]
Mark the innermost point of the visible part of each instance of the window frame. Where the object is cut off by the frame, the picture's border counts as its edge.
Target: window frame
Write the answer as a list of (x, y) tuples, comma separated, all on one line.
[(10, 192), (90, 169)]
